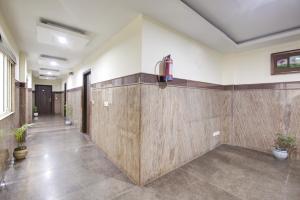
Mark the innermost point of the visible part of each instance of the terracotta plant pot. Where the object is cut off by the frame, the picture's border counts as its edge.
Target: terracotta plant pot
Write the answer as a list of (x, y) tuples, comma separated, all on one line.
[(20, 153)]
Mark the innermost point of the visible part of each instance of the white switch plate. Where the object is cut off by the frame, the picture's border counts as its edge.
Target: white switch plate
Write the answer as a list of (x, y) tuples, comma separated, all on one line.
[(106, 103), (216, 133)]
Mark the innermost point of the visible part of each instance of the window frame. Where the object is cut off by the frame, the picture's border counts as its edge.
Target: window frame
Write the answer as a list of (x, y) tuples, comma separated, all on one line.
[(284, 55), (7, 86)]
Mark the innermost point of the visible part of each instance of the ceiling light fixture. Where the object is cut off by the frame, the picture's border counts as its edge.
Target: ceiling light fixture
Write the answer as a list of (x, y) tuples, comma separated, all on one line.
[(53, 63), (49, 73), (62, 40)]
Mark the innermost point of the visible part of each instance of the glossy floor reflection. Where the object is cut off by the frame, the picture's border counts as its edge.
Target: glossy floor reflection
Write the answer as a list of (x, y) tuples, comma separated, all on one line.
[(64, 164)]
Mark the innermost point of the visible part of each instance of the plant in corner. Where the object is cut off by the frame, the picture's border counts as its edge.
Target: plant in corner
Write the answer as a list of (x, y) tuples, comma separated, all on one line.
[(69, 113), (20, 135), (284, 146), (35, 111)]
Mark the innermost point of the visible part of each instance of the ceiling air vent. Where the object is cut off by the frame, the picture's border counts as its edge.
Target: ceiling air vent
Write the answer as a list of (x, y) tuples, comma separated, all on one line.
[(48, 69), (62, 26), (49, 76), (53, 57)]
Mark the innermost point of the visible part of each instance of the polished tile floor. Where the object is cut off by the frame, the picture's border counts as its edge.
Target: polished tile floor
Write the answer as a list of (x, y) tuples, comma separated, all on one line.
[(64, 164)]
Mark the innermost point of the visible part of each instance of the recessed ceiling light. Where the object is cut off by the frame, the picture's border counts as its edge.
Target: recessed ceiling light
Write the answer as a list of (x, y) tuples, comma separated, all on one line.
[(49, 73), (62, 40), (53, 63)]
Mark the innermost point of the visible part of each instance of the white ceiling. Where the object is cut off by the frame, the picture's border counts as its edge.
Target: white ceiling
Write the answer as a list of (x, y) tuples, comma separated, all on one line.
[(248, 20), (101, 19)]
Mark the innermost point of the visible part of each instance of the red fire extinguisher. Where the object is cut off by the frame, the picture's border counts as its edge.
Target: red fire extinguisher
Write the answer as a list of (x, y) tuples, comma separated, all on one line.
[(166, 71)]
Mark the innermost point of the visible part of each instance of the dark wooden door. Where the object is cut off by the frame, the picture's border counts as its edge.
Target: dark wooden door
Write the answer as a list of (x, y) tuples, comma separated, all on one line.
[(43, 99), (86, 114)]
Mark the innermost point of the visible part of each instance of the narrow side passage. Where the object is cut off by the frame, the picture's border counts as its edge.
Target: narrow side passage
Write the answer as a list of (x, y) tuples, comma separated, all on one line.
[(64, 164)]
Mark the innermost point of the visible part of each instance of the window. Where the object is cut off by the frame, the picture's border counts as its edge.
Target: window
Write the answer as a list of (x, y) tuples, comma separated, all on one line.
[(5, 84), (285, 62)]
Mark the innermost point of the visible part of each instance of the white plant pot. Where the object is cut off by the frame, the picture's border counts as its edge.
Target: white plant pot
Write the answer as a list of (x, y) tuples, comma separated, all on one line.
[(280, 154), (36, 114), (68, 122)]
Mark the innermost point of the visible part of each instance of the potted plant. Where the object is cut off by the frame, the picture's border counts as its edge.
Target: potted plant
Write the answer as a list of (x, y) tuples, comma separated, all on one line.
[(284, 146), (69, 112), (20, 135), (35, 111)]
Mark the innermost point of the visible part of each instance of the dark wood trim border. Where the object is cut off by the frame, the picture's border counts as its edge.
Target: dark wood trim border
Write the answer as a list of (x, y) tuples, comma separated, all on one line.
[(143, 78), (272, 86), (19, 84)]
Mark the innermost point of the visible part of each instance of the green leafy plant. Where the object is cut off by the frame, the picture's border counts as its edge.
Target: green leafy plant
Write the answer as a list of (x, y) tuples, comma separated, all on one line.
[(285, 142), (34, 109), (20, 136), (69, 111)]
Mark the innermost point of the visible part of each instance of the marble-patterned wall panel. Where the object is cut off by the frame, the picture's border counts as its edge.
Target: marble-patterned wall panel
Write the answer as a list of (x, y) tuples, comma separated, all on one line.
[(226, 114), (29, 106), (33, 98), (8, 124), (257, 118), (23, 104), (292, 117), (115, 128), (62, 104), (177, 125), (57, 103), (74, 99)]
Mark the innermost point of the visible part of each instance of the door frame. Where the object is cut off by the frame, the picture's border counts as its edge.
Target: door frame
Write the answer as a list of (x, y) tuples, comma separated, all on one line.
[(35, 94), (84, 104)]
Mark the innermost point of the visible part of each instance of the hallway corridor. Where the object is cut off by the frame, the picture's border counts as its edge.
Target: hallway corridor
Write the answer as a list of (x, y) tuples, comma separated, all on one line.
[(64, 164)]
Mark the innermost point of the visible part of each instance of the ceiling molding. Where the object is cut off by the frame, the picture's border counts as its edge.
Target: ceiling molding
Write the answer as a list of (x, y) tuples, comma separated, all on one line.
[(250, 41), (210, 22)]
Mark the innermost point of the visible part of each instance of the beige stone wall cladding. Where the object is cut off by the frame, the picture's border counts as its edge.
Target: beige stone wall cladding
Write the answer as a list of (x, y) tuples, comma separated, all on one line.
[(8, 125), (74, 99), (147, 130), (115, 128), (258, 115), (29, 106), (58, 103), (177, 126)]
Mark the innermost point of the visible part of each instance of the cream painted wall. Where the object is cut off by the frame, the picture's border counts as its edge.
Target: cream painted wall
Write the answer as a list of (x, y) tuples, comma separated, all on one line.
[(119, 56), (22, 67), (8, 37), (141, 44), (255, 66), (29, 79), (56, 84), (192, 60)]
